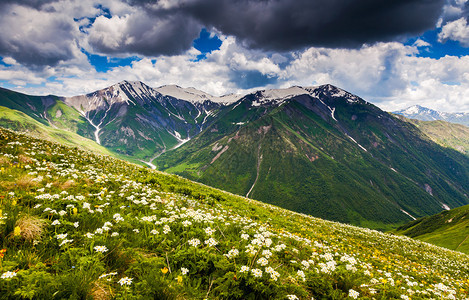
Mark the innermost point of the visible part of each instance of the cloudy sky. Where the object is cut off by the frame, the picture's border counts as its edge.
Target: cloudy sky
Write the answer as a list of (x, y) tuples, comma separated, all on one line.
[(393, 53)]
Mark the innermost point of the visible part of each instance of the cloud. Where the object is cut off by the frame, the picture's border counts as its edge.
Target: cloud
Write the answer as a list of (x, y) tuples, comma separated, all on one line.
[(282, 25), (144, 34), (457, 31), (35, 37)]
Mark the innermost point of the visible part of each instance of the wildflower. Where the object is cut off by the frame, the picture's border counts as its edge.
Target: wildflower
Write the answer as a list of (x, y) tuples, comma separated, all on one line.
[(184, 271), (125, 281), (56, 222), (194, 242), (179, 279), (305, 264), (256, 272), (62, 213), (245, 236), (273, 274), (211, 242), (209, 231), (74, 210), (266, 253), (115, 234), (186, 223), (166, 229), (232, 253), (164, 270), (101, 249), (136, 230), (353, 294), (292, 297), (2, 253), (301, 274), (262, 261), (61, 236), (89, 235), (8, 275), (17, 231), (65, 242), (76, 224), (154, 231), (244, 269)]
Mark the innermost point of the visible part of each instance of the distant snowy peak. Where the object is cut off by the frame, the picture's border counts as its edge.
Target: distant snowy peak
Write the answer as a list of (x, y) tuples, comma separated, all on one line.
[(417, 111), (194, 95), (426, 114)]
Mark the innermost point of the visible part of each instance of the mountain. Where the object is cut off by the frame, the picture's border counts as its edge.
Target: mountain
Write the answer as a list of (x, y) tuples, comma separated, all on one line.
[(449, 229), (316, 150), (128, 118), (324, 152), (76, 225), (444, 133), (134, 119), (426, 114)]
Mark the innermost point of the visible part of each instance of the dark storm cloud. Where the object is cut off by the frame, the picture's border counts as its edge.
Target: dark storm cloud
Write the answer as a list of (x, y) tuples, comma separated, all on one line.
[(34, 37), (30, 3), (141, 33), (287, 25)]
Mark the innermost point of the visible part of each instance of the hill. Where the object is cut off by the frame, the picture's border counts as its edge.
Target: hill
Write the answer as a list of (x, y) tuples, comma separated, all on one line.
[(449, 229), (20, 122), (446, 134), (79, 225)]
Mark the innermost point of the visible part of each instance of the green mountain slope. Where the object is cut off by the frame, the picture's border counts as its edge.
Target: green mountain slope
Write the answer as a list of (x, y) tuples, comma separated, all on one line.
[(78, 225), (18, 121), (335, 157), (48, 110), (449, 229), (446, 134)]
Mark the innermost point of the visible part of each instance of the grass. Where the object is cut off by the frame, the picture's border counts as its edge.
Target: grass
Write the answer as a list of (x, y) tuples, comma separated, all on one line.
[(115, 230), (449, 229)]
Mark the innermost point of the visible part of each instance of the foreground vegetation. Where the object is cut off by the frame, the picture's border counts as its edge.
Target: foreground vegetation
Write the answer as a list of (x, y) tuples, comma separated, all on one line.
[(78, 225)]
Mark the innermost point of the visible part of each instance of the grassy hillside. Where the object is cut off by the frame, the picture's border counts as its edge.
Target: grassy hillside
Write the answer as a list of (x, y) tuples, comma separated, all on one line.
[(19, 121), (449, 229), (450, 135), (77, 225)]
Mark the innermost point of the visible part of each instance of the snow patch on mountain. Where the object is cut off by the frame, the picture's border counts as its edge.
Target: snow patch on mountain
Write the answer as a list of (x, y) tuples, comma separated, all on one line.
[(194, 95)]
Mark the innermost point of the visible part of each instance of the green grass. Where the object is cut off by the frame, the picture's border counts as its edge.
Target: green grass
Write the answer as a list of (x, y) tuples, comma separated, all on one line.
[(446, 134), (78, 225), (449, 229)]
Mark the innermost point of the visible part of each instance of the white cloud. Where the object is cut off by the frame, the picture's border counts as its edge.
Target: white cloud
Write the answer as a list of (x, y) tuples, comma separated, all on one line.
[(457, 31)]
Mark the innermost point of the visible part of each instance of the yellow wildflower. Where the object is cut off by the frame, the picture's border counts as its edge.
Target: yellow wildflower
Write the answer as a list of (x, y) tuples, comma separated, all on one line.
[(17, 231)]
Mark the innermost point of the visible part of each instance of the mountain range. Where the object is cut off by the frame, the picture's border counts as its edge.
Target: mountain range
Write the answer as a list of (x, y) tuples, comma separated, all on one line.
[(426, 114), (315, 150)]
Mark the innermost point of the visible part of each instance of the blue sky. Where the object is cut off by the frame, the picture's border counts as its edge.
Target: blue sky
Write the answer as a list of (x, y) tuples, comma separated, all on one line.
[(420, 55)]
